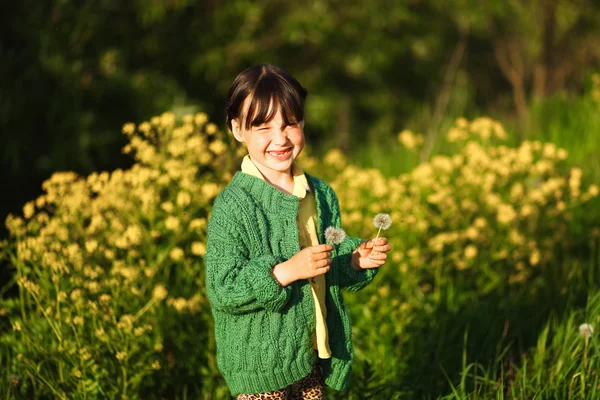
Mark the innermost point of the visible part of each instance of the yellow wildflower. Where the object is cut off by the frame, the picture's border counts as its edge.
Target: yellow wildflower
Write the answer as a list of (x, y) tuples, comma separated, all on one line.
[(183, 199), (128, 128), (472, 233), (85, 354), (104, 299), (534, 258), (91, 245), (200, 119), (125, 323), (145, 127), (480, 222), (217, 147), (470, 251), (549, 150), (176, 254), (198, 223), (28, 209), (198, 248), (506, 214), (335, 158), (516, 191), (516, 237), (172, 223), (562, 154), (159, 292), (456, 134), (211, 128), (179, 303), (210, 190), (167, 119), (409, 139)]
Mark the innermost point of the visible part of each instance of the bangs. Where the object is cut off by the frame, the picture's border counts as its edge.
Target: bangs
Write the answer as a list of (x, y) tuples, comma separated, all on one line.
[(272, 95)]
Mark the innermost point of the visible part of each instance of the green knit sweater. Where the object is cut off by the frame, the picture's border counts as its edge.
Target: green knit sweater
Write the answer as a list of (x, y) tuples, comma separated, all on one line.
[(264, 332)]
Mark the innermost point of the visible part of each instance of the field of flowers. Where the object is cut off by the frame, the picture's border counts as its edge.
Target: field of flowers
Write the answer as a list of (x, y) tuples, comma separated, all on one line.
[(495, 266)]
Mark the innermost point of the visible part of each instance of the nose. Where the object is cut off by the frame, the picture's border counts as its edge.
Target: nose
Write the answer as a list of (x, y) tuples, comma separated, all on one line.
[(280, 136)]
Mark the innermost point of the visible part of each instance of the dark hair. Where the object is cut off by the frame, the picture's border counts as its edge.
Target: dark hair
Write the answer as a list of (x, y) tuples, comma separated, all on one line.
[(265, 83)]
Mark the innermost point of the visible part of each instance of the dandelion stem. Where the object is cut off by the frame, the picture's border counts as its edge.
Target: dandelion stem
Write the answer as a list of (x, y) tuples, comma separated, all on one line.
[(585, 351), (374, 240), (377, 237)]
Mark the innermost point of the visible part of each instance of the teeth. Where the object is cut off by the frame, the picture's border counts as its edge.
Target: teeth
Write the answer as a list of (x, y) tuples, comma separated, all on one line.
[(279, 152)]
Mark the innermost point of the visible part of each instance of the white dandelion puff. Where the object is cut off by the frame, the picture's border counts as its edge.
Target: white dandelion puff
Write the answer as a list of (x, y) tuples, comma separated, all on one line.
[(382, 221), (586, 330), (334, 235)]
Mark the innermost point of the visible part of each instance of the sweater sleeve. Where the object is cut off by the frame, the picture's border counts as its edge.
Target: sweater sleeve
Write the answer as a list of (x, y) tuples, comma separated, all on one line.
[(235, 283), (349, 278)]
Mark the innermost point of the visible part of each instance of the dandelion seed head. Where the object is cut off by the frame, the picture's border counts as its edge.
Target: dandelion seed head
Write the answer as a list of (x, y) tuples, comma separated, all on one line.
[(586, 330), (383, 221), (334, 235)]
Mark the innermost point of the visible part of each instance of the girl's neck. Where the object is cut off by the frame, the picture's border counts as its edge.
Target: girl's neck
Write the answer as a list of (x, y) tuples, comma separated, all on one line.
[(283, 181)]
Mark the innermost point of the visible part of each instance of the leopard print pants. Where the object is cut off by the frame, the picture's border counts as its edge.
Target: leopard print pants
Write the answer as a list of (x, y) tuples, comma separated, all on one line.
[(308, 388)]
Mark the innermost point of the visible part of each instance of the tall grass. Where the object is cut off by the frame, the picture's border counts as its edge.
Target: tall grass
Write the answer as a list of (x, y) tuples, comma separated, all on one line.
[(571, 122), (563, 364)]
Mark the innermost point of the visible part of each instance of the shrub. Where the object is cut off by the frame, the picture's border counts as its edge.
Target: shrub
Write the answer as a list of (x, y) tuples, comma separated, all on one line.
[(109, 269)]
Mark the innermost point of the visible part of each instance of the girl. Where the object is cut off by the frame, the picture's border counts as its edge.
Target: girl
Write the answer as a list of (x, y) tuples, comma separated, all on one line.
[(281, 326)]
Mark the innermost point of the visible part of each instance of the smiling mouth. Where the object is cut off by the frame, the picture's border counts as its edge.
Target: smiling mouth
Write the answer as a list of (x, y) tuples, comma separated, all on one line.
[(280, 153)]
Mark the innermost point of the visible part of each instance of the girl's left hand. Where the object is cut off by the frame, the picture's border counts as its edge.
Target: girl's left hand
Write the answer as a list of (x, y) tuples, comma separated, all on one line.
[(370, 255)]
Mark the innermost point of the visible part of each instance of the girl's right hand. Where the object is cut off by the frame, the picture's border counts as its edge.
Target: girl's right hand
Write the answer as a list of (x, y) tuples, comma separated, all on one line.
[(307, 263)]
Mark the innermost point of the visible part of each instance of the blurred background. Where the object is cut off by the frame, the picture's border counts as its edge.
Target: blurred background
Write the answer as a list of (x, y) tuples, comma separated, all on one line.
[(72, 73)]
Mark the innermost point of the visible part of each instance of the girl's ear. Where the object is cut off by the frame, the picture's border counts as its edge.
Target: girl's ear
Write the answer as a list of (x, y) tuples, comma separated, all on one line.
[(235, 126), (302, 124)]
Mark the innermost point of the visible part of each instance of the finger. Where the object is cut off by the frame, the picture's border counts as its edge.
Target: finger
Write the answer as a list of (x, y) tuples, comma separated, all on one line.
[(376, 263), (321, 256), (321, 248), (381, 241), (382, 249), (377, 256), (322, 263), (373, 264)]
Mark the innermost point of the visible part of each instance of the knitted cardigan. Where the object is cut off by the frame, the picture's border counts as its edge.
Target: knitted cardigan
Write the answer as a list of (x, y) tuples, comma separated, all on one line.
[(264, 332)]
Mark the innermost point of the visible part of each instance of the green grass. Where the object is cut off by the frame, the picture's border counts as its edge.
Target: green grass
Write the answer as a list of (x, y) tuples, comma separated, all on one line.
[(561, 365), (572, 123)]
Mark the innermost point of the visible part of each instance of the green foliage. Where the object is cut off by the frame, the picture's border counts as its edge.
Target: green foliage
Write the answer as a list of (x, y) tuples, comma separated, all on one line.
[(369, 66), (112, 302), (109, 272)]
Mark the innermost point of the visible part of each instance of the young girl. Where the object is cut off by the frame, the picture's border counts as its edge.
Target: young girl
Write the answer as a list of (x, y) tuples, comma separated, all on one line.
[(281, 326)]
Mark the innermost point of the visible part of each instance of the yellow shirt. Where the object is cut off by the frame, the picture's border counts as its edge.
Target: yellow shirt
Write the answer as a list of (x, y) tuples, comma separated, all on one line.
[(307, 236)]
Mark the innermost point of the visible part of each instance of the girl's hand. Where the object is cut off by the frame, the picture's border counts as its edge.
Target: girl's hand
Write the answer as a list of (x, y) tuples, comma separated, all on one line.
[(307, 263), (370, 255)]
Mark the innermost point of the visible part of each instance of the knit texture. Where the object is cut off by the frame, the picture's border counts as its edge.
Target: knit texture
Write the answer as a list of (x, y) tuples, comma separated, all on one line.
[(265, 332)]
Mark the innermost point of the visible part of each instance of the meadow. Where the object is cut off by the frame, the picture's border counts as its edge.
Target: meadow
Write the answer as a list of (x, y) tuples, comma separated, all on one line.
[(491, 291)]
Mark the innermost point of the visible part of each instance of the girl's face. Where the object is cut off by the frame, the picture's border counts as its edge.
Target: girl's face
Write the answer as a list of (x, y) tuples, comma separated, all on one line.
[(272, 146)]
